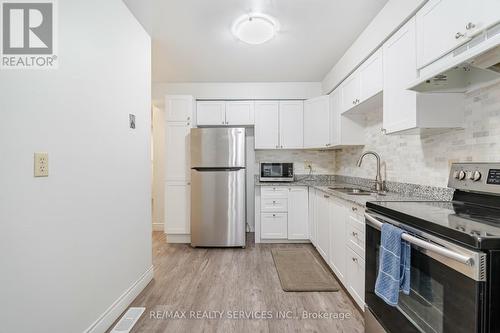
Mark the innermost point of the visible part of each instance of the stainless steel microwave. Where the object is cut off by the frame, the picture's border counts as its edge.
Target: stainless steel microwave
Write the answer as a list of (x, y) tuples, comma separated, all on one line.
[(276, 172)]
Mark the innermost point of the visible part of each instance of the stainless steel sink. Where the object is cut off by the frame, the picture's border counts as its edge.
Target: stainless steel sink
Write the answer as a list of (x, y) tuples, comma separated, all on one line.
[(352, 190)]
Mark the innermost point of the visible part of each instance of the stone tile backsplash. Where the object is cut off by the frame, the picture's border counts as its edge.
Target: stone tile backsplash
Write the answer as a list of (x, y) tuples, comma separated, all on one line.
[(426, 159), (323, 161)]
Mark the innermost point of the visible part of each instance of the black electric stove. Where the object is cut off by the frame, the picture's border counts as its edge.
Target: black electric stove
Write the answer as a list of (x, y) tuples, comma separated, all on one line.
[(469, 224), (455, 260)]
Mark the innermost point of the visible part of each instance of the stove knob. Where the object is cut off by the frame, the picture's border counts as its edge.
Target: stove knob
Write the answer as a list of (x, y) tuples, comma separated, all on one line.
[(475, 176), (455, 174), (461, 175), (468, 174)]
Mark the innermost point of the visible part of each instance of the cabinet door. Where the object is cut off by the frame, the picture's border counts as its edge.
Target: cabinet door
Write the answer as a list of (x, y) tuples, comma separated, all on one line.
[(312, 215), (240, 113), (177, 156), (350, 92), (210, 113), (441, 27), (317, 122), (371, 76), (273, 225), (323, 226), (489, 15), (291, 124), (337, 239), (298, 213), (177, 207), (400, 104), (179, 108), (266, 125), (356, 277)]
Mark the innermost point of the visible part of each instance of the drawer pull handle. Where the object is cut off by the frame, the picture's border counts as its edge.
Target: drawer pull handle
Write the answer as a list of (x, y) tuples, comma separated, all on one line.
[(459, 35), (355, 234), (274, 215), (326, 196), (355, 259), (354, 209), (274, 202)]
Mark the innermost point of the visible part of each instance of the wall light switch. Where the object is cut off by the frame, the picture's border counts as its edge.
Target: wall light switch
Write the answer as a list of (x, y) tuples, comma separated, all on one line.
[(41, 164)]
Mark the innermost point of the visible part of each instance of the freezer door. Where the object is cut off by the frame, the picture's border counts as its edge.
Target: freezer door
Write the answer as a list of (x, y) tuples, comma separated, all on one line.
[(218, 147), (218, 207)]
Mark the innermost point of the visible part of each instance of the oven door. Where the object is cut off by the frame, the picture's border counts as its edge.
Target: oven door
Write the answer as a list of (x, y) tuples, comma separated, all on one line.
[(445, 295)]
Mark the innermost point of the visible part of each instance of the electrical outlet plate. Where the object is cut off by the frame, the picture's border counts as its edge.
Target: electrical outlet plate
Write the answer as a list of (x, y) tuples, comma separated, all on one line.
[(41, 165)]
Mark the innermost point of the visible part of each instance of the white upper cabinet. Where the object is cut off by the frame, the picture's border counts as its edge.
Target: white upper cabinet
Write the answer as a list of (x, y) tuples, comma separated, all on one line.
[(345, 129), (267, 125), (443, 25), (210, 113), (179, 108), (350, 92), (364, 83), (371, 76), (240, 113), (317, 122), (399, 70), (405, 109), (489, 14), (222, 113), (291, 126)]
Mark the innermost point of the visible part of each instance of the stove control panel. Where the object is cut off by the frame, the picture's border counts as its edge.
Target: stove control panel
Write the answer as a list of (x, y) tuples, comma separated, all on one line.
[(476, 177)]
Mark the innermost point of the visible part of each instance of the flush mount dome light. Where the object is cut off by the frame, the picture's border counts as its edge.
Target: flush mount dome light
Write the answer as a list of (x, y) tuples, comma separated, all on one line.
[(255, 28)]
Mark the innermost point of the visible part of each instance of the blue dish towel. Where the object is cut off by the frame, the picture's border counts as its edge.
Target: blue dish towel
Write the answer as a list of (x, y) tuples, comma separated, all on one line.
[(394, 265)]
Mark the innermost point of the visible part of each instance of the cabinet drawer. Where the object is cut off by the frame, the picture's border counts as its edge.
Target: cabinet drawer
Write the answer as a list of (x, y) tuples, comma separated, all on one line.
[(274, 205), (274, 192), (356, 236), (274, 225)]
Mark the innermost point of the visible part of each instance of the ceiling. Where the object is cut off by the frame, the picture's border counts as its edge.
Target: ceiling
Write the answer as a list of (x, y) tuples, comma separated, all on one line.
[(192, 40)]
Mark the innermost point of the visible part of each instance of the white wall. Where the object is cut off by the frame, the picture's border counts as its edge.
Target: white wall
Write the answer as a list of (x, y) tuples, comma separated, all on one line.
[(387, 21), (73, 243), (238, 90)]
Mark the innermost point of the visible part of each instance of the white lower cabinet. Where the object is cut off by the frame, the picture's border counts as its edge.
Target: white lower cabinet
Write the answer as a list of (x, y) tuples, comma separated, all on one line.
[(340, 240), (312, 216), (355, 277), (274, 225), (177, 207), (337, 259), (284, 213), (323, 224), (298, 214)]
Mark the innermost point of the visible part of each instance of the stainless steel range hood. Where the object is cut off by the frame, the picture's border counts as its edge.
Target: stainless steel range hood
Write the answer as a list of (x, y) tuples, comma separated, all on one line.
[(468, 67)]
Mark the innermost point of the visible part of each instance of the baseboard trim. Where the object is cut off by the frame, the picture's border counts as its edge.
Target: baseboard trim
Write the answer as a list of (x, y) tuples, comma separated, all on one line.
[(116, 309), (285, 241), (179, 238)]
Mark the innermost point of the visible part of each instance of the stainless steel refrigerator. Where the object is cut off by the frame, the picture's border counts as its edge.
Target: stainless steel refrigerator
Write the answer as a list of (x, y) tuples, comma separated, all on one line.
[(218, 187)]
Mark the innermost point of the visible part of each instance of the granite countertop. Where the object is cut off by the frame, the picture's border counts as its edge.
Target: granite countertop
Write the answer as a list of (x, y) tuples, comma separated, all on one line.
[(325, 184)]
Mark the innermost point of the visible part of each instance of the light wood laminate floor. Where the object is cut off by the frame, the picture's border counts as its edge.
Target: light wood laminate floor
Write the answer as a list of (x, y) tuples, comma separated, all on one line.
[(196, 279)]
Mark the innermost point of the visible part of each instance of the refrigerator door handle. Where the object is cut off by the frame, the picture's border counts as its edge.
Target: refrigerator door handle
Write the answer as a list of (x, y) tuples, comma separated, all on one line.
[(206, 169)]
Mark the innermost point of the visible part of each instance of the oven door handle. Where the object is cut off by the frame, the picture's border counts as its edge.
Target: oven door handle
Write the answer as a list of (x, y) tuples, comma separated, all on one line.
[(469, 261)]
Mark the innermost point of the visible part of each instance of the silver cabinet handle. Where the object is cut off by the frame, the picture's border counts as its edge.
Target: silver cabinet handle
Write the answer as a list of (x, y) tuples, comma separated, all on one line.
[(189, 118), (355, 234), (459, 35), (326, 196), (354, 259), (470, 26), (274, 215), (274, 202), (354, 209)]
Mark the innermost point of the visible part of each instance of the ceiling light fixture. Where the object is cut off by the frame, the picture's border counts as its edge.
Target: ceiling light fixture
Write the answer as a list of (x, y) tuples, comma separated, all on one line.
[(255, 28)]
